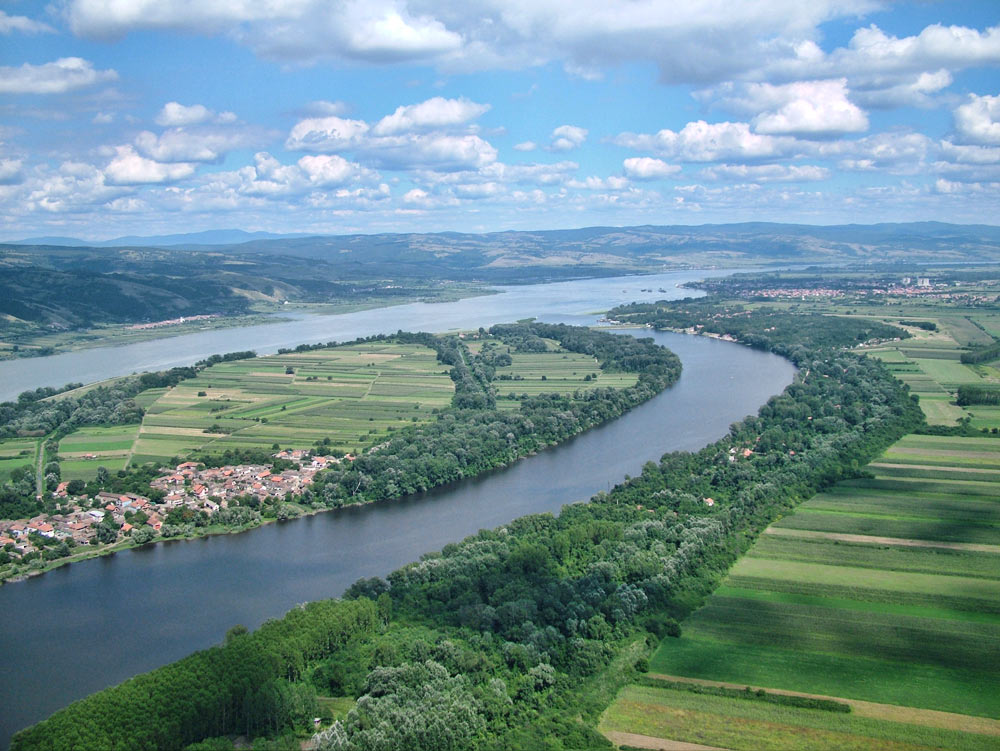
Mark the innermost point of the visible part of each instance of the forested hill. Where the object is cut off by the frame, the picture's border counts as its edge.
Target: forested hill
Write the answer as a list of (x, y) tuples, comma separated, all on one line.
[(519, 637)]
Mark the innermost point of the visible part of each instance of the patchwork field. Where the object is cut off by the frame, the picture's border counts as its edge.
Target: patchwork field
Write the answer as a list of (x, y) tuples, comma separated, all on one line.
[(929, 363), (353, 395), (883, 590)]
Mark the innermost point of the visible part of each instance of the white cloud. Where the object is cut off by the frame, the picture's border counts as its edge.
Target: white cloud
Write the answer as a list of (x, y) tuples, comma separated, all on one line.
[(802, 108), (433, 151), (23, 24), (593, 182), (567, 138), (647, 168), (103, 118), (765, 173), (688, 41), (432, 114), (326, 134), (65, 74), (198, 145), (978, 120), (936, 46), (175, 114), (912, 91), (10, 171), (525, 146), (970, 154), (703, 142), (128, 168)]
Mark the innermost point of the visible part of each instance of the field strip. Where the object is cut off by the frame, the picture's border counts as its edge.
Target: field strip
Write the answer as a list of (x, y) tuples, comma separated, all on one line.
[(920, 450), (657, 744), (873, 540), (936, 467), (932, 718), (166, 430)]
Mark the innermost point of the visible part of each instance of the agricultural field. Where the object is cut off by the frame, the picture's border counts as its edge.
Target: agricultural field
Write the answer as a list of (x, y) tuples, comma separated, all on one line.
[(82, 451), (883, 591), (354, 395), (16, 452), (929, 363), (535, 373)]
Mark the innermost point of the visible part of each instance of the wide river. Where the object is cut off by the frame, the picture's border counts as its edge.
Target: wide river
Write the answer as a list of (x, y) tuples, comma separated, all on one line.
[(92, 624)]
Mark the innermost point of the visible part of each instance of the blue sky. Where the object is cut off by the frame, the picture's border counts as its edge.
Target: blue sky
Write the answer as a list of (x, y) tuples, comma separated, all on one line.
[(334, 116)]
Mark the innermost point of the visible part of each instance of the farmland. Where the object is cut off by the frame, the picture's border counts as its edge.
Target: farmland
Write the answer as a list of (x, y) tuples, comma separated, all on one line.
[(353, 395), (349, 397), (883, 589)]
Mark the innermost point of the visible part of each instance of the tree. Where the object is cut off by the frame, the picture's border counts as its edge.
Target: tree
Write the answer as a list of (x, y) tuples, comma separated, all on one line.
[(107, 529)]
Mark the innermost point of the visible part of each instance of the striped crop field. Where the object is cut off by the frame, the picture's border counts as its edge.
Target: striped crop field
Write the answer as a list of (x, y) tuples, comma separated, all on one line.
[(352, 394), (882, 592)]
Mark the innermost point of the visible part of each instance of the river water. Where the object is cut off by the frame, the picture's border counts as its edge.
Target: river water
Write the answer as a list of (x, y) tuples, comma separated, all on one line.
[(92, 624)]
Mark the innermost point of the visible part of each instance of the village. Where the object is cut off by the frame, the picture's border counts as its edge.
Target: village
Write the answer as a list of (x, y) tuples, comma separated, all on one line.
[(107, 518)]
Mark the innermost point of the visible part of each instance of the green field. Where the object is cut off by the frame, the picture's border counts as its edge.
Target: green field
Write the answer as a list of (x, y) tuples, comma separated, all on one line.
[(745, 723), (85, 449), (929, 364), (549, 372), (16, 452), (354, 395), (882, 590)]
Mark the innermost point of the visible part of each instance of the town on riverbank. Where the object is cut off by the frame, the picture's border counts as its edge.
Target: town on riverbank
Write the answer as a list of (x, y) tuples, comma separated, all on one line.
[(188, 500)]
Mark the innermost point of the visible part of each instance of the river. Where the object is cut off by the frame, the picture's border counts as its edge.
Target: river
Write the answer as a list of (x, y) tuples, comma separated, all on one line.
[(92, 624)]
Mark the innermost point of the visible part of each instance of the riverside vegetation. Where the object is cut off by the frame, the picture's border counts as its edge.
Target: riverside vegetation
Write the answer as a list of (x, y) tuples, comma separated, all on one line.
[(519, 637), (412, 427)]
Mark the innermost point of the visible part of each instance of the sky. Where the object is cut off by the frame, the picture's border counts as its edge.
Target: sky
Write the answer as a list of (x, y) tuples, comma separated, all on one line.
[(341, 116)]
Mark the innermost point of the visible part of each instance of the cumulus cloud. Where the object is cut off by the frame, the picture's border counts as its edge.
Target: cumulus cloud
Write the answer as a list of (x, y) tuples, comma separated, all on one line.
[(766, 173), (129, 168), (197, 145), (525, 146), (704, 142), (432, 114), (647, 168), (567, 138), (912, 91), (9, 24), (413, 137), (176, 114), (326, 134), (65, 74), (801, 108), (978, 120)]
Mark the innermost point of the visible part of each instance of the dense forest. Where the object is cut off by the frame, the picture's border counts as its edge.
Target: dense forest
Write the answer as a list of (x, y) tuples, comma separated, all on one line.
[(518, 637)]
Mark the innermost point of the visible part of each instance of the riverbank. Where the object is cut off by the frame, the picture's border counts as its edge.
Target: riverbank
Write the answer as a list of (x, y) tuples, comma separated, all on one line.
[(118, 335)]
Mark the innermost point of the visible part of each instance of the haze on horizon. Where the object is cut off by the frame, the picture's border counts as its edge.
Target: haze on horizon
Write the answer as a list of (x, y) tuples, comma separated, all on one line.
[(165, 116)]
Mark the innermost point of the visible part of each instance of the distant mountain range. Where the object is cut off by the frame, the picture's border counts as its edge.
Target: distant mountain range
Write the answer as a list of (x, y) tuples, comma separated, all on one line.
[(764, 239), (48, 283), (208, 237)]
